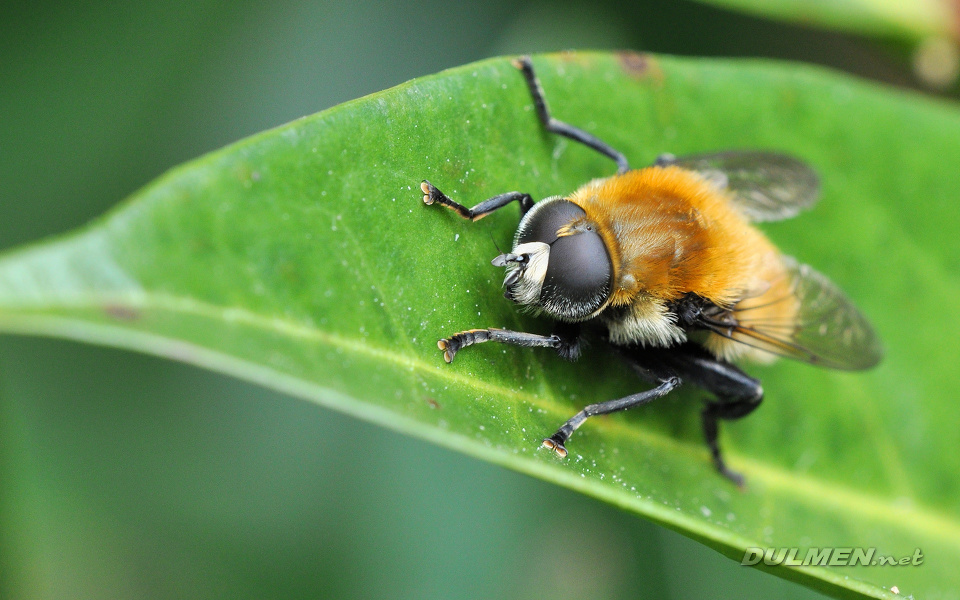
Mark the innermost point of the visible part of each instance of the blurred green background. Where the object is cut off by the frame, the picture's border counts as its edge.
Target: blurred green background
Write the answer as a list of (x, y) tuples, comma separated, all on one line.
[(125, 476)]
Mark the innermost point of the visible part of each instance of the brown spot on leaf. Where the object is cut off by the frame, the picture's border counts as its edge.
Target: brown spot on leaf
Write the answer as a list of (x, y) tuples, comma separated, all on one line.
[(636, 64), (121, 313), (641, 66)]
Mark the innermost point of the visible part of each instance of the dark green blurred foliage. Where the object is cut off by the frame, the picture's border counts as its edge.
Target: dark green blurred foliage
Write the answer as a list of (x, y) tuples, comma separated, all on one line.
[(123, 476)]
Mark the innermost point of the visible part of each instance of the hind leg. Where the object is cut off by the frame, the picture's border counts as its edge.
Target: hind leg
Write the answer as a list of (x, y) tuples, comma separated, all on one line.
[(728, 408), (737, 394)]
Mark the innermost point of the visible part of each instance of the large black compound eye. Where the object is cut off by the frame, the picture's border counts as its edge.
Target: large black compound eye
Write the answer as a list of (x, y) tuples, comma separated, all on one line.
[(579, 272), (578, 275), (545, 219)]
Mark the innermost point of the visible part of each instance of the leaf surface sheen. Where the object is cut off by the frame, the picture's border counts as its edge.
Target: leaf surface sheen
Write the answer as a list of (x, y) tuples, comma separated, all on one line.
[(909, 21)]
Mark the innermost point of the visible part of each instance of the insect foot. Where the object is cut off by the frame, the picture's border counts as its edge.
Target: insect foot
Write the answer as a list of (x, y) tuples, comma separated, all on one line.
[(449, 348), (430, 193), (733, 476), (455, 342), (556, 446)]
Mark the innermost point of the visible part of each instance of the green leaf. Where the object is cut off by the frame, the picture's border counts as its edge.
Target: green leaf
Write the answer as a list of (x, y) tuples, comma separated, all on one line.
[(913, 20), (304, 259)]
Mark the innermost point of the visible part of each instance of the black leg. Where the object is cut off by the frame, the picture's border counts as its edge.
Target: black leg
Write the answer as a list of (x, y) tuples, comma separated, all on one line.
[(737, 393), (566, 342), (559, 127), (432, 195), (728, 409), (555, 442)]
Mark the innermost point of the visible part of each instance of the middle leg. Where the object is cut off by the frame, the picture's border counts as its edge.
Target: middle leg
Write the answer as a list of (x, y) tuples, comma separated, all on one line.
[(555, 442)]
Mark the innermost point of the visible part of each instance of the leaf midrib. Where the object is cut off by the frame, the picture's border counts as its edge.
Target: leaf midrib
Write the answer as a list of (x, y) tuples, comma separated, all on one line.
[(825, 493)]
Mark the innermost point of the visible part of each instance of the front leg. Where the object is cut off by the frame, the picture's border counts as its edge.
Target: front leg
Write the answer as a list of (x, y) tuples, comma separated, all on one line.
[(566, 341), (432, 195)]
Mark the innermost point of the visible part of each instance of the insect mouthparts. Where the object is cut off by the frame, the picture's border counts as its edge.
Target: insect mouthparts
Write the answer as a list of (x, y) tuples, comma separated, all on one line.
[(505, 259), (511, 279)]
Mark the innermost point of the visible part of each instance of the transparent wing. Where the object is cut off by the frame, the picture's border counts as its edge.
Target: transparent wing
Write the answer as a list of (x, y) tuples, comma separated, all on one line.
[(765, 186), (827, 329)]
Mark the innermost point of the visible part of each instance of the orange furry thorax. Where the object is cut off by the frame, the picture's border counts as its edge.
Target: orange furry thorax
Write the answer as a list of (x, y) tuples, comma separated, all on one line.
[(670, 232)]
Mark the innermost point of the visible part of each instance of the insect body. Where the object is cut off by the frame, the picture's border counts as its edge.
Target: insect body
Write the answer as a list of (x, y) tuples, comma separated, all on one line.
[(665, 261)]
